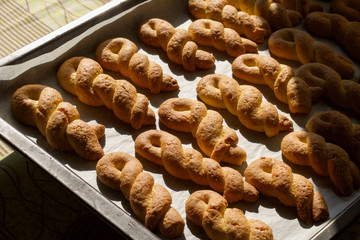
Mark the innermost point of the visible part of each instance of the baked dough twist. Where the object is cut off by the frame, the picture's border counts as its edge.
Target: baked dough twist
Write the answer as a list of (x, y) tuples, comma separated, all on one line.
[(165, 149), (302, 6), (274, 178), (84, 78), (265, 70), (43, 107), (208, 210), (214, 139), (335, 26), (245, 102), (337, 128), (121, 55), (347, 8), (297, 45), (176, 43), (323, 81), (310, 82), (212, 33), (151, 202), (275, 13), (327, 159), (254, 27)]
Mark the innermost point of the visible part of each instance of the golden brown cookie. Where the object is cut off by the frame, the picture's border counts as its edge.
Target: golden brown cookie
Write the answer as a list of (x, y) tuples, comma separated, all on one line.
[(254, 27), (265, 70), (165, 149), (297, 45), (207, 209), (43, 107), (302, 6), (327, 159), (274, 178), (245, 102), (336, 127), (151, 202), (331, 25), (347, 8), (275, 13), (84, 78), (177, 43), (310, 82), (121, 55), (323, 81), (212, 33), (214, 139)]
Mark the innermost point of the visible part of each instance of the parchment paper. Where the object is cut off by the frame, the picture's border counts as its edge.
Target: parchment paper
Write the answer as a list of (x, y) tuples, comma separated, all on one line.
[(120, 136)]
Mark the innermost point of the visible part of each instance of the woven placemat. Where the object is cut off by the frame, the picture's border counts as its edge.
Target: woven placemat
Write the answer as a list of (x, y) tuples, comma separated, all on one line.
[(24, 21), (33, 205)]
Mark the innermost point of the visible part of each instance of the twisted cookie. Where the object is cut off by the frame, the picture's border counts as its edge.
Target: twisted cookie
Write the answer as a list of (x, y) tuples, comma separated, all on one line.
[(243, 101), (214, 139), (212, 33), (337, 128), (84, 78), (265, 70), (276, 14), (58, 121), (334, 25), (166, 150), (324, 81), (310, 82), (347, 8), (327, 159), (297, 45), (302, 6), (275, 179), (176, 43), (121, 55), (253, 27), (151, 202), (208, 210)]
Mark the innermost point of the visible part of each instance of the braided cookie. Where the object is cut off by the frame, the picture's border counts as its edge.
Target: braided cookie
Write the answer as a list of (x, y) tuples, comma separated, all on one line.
[(84, 78), (151, 202), (58, 121), (176, 43), (214, 139), (276, 14), (347, 8), (327, 159), (337, 128), (121, 55), (208, 210), (310, 82), (165, 149), (336, 26), (253, 27), (298, 45), (243, 101), (274, 178), (324, 81), (212, 33), (265, 70), (302, 6)]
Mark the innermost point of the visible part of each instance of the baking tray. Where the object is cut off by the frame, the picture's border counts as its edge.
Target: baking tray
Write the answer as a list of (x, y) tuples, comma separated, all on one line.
[(38, 63)]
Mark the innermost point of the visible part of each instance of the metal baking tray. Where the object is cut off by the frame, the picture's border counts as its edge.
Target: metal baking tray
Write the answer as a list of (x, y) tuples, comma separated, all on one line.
[(38, 63)]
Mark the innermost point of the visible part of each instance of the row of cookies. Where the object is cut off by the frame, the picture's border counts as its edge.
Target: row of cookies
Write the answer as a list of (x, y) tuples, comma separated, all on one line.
[(132, 110)]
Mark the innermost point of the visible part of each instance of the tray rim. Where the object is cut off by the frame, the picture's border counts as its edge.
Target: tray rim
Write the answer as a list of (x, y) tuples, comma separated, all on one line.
[(117, 217), (33, 49)]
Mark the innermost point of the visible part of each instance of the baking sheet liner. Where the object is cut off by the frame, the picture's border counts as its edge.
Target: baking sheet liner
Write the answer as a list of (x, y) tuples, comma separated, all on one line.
[(124, 21)]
